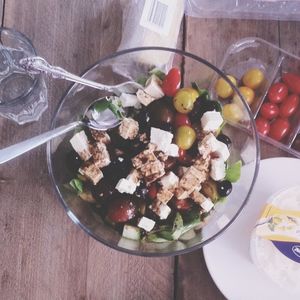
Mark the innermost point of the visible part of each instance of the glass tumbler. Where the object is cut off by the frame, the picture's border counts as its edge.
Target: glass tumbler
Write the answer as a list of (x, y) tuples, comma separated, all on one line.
[(23, 96)]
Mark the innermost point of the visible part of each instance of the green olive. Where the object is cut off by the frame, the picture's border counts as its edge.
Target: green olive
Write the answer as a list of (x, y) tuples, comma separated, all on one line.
[(184, 100), (185, 137)]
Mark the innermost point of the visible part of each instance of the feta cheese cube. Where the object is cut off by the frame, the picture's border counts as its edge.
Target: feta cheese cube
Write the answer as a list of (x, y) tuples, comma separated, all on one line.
[(217, 170), (172, 150), (134, 176), (126, 186), (211, 121), (222, 151), (144, 98), (129, 100), (169, 181), (146, 224), (153, 88), (81, 145), (210, 144), (163, 211), (161, 138), (91, 172), (207, 205)]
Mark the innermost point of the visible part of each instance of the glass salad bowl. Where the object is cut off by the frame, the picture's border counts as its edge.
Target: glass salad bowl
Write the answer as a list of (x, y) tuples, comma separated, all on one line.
[(179, 234)]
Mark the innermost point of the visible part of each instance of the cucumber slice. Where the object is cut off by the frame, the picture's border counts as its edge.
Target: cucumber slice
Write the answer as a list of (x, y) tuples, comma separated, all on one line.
[(187, 235), (131, 232)]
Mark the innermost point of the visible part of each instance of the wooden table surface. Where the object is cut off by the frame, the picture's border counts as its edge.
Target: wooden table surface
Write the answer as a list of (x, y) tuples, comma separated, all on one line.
[(43, 254)]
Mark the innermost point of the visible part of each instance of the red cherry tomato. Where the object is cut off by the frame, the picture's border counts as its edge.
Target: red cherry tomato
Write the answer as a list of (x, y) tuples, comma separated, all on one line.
[(181, 120), (262, 125), (171, 83), (292, 81), (121, 210), (152, 191), (277, 92), (269, 111), (289, 106), (279, 129), (184, 204)]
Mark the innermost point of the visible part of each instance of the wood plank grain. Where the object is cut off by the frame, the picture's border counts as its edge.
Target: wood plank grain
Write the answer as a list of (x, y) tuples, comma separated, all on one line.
[(44, 255), (209, 38)]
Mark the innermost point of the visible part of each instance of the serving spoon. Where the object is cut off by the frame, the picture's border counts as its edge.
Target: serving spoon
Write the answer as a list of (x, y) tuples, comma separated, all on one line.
[(37, 64), (92, 119)]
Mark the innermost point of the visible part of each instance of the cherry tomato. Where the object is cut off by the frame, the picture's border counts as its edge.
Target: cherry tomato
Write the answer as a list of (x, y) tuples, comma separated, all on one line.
[(253, 78), (223, 88), (184, 100), (262, 125), (121, 210), (183, 204), (269, 111), (279, 129), (181, 120), (185, 137), (171, 83), (292, 81), (152, 191), (233, 112), (277, 92), (289, 106)]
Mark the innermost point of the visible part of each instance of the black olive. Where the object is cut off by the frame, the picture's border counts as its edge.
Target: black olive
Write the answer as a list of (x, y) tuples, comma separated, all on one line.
[(143, 118), (117, 169), (170, 163), (224, 139), (201, 106), (166, 127), (103, 190), (161, 112), (224, 188), (141, 191), (73, 161)]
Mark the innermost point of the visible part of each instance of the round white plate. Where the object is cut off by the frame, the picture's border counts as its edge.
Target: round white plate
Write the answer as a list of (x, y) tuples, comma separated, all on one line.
[(228, 259)]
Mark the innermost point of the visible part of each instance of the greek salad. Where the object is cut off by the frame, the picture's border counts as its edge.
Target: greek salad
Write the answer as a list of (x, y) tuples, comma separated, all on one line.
[(158, 175)]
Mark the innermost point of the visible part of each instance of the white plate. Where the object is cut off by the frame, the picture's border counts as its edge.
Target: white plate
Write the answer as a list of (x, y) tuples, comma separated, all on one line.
[(228, 259)]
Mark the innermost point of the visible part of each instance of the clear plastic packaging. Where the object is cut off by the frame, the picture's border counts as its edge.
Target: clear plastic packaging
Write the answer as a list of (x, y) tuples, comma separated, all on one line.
[(245, 9), (254, 52), (150, 23)]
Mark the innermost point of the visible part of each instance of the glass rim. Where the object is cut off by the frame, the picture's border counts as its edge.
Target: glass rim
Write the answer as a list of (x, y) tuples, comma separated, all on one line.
[(19, 35), (139, 252)]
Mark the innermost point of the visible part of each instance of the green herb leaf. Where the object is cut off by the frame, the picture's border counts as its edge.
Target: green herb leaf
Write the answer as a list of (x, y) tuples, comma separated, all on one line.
[(203, 93), (233, 172), (157, 72), (77, 185), (116, 110), (101, 105), (142, 80), (153, 237)]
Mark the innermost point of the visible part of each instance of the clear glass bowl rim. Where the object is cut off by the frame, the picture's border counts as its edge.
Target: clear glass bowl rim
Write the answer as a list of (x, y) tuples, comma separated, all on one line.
[(155, 254)]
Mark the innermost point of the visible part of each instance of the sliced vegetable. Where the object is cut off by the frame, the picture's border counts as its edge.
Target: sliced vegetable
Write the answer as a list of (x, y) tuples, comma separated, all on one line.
[(131, 232), (157, 72), (233, 172), (177, 226)]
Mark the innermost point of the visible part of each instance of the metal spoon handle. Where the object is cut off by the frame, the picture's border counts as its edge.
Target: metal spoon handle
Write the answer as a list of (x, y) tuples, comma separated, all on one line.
[(18, 149), (38, 64)]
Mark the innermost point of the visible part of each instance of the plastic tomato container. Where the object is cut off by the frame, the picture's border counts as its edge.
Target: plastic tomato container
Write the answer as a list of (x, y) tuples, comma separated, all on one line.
[(254, 52)]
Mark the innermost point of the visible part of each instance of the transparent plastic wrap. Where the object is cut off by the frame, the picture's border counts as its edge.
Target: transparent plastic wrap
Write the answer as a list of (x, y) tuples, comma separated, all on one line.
[(245, 9), (274, 62), (149, 23)]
